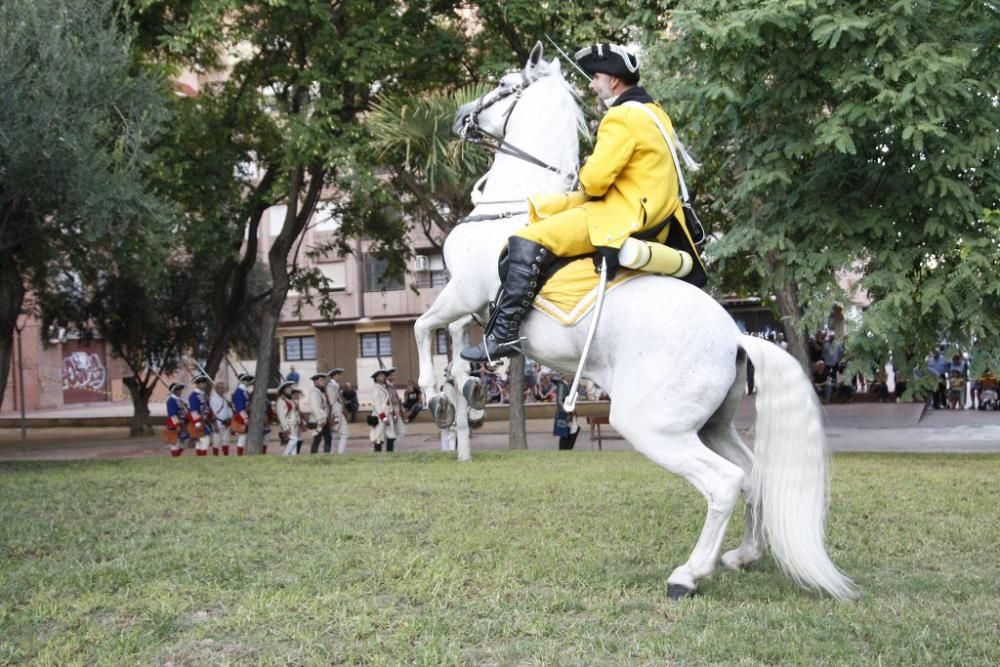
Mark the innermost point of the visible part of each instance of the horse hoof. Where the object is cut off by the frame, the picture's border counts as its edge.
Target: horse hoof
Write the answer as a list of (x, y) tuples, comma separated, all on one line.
[(475, 394), (443, 411), (679, 592)]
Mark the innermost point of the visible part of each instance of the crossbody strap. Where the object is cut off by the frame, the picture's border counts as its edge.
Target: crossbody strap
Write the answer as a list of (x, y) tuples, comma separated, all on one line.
[(673, 152)]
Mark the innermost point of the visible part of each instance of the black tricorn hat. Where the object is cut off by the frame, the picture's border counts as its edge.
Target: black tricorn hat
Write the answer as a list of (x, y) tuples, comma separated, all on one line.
[(609, 59)]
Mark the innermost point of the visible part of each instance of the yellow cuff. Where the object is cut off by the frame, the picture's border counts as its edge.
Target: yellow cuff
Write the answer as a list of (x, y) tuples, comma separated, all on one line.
[(541, 206)]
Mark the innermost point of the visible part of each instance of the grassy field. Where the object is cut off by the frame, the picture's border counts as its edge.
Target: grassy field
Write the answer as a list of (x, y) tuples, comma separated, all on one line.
[(516, 558)]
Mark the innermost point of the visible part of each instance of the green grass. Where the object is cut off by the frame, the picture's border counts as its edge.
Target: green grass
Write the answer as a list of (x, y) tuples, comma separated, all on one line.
[(516, 558)]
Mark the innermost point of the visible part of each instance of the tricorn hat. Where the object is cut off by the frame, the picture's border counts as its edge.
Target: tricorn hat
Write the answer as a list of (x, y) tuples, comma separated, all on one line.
[(334, 371), (175, 386), (202, 378), (245, 378), (284, 385), (383, 371), (316, 376), (609, 59)]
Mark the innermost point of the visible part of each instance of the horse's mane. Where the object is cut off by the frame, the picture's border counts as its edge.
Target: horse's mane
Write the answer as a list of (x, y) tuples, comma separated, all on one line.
[(565, 119)]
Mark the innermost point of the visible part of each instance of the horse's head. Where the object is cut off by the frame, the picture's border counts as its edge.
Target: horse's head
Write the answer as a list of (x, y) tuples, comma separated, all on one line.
[(490, 113)]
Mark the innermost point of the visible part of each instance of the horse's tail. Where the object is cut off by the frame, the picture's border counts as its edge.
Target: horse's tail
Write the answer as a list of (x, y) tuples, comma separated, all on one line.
[(790, 477)]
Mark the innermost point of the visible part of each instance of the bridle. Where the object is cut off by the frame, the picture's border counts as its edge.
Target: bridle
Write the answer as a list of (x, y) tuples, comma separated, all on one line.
[(474, 133)]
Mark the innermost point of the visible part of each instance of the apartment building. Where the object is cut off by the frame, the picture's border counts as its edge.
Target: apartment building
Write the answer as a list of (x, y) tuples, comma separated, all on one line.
[(374, 323)]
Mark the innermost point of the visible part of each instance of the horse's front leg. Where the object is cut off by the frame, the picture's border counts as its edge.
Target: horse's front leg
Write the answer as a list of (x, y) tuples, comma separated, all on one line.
[(463, 386), (446, 309)]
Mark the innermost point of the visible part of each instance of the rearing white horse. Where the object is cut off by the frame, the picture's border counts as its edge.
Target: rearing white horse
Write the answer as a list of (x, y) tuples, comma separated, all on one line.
[(670, 357)]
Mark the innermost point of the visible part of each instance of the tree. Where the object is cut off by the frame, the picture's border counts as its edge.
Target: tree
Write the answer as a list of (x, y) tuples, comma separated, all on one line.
[(75, 122), (848, 135), (293, 98)]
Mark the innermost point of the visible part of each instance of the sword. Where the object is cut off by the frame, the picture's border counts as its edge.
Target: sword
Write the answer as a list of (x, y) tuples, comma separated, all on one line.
[(567, 58), (569, 405)]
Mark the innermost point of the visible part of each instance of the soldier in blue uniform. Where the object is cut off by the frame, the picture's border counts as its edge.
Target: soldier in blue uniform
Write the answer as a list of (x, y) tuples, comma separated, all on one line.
[(200, 414), (176, 414), (241, 414)]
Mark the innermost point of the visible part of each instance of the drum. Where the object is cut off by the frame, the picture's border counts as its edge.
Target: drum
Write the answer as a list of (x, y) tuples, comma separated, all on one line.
[(196, 431), (170, 436), (238, 425)]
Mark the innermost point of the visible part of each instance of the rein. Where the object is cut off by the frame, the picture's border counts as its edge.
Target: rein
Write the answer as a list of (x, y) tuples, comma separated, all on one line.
[(473, 133)]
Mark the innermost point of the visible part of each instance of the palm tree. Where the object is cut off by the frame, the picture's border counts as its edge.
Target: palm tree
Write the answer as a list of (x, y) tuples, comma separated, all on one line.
[(432, 170)]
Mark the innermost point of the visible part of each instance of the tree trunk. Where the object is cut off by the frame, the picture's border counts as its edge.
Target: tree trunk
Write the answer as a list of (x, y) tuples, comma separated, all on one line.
[(515, 384), (787, 295), (265, 370), (11, 301), (140, 425)]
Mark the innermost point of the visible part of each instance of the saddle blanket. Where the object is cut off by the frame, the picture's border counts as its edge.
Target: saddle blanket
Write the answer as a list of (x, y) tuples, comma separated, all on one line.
[(571, 293)]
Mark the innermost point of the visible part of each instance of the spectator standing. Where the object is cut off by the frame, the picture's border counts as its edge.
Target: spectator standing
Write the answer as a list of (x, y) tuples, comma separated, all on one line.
[(815, 347), (959, 365), (223, 412), (319, 413), (956, 390), (530, 378), (413, 402), (565, 427), (350, 396), (938, 365), (293, 376)]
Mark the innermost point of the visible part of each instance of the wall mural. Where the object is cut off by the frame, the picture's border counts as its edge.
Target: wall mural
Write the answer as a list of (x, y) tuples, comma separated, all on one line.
[(83, 371)]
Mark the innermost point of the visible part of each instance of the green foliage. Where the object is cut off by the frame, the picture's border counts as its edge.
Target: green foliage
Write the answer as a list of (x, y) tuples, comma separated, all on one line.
[(857, 135), (75, 124), (518, 558)]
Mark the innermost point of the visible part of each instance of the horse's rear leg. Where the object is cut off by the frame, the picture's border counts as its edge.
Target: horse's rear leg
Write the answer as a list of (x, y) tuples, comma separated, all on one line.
[(721, 436), (724, 440), (718, 480)]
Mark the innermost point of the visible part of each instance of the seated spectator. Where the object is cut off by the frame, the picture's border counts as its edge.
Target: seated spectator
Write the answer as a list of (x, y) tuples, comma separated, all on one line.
[(987, 391), (822, 381), (956, 390), (413, 402), (880, 385), (545, 390)]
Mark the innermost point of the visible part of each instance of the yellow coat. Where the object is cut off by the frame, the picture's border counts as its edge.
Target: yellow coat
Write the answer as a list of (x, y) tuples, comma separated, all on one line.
[(631, 175), (629, 183)]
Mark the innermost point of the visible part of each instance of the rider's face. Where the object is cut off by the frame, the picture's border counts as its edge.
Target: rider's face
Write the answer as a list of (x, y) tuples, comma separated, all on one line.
[(604, 85)]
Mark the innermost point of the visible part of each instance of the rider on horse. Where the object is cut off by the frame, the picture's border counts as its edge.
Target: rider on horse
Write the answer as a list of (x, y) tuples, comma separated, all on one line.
[(629, 188)]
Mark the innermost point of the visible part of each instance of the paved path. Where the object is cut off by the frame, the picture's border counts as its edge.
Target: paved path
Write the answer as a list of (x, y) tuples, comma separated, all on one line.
[(849, 428)]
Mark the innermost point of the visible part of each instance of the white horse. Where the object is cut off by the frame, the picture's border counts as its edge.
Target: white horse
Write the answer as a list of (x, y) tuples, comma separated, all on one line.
[(669, 355)]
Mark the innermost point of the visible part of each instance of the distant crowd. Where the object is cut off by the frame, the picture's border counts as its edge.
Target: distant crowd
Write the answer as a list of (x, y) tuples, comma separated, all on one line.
[(956, 388)]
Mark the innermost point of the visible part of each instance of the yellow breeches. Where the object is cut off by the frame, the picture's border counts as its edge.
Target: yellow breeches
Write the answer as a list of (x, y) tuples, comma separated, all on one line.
[(566, 234)]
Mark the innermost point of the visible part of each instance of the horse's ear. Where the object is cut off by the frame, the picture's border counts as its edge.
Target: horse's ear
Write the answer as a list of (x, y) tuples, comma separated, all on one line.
[(535, 56)]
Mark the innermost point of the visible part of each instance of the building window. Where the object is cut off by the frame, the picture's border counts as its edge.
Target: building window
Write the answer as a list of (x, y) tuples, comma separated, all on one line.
[(376, 344), (376, 279), (300, 348), (441, 341)]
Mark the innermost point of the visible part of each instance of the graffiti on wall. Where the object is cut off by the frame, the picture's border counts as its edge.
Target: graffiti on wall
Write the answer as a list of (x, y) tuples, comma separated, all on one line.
[(83, 371)]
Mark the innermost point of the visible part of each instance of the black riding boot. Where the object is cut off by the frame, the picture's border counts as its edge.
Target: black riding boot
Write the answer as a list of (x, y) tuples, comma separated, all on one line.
[(527, 262)]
